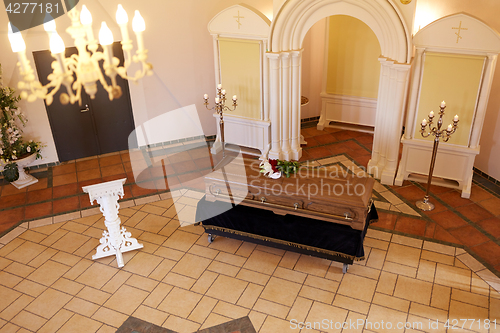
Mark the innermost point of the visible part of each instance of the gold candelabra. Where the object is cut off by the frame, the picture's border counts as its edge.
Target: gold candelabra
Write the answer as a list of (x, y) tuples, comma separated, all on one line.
[(438, 133), (220, 107)]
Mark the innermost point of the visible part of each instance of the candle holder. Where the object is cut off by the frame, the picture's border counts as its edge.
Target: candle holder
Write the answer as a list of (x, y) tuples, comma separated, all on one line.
[(220, 107), (438, 133)]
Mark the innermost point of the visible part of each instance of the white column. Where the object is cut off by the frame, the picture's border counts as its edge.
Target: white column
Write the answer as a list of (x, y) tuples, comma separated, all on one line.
[(217, 146), (296, 100), (274, 98), (415, 87), (265, 82), (483, 100), (377, 161), (285, 105), (395, 121), (115, 241)]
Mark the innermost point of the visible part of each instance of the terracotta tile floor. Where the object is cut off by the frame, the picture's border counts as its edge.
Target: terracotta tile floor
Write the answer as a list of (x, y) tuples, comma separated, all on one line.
[(49, 282), (469, 223)]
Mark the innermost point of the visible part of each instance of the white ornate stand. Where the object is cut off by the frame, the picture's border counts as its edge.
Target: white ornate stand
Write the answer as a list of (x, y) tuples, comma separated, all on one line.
[(115, 241)]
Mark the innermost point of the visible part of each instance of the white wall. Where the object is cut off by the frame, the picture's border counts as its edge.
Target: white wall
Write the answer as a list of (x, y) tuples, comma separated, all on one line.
[(488, 159), (180, 49)]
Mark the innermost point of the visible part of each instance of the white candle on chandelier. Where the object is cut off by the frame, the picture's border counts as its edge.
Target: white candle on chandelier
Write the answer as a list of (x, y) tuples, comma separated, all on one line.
[(86, 20), (455, 119), (234, 98), (223, 91), (424, 122), (217, 100), (219, 86), (443, 104), (56, 44), (449, 128), (57, 49), (205, 96), (18, 45), (431, 114), (138, 25), (106, 39), (49, 24), (122, 20)]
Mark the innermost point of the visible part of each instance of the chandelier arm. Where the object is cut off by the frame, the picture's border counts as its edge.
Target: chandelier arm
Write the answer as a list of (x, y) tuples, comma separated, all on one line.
[(51, 94), (146, 68), (95, 58), (127, 58)]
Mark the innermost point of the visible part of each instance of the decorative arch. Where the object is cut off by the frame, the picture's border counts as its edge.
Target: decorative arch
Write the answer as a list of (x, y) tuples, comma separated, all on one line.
[(296, 17), (286, 36)]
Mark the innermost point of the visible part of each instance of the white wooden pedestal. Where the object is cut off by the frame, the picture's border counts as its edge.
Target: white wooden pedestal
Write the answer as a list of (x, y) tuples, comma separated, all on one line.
[(115, 241), (453, 163)]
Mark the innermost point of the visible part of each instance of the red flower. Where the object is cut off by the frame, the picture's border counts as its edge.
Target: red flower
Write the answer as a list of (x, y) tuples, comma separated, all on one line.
[(274, 164)]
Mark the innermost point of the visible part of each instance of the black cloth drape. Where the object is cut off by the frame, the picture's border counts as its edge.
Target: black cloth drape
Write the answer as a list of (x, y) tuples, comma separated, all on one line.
[(325, 239)]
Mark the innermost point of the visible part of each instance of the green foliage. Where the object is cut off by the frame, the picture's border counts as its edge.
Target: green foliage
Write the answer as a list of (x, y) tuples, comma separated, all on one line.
[(12, 144), (10, 172), (288, 167)]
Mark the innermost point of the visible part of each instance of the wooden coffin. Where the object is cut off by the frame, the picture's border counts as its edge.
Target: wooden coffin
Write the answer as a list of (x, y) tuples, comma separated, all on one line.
[(326, 193)]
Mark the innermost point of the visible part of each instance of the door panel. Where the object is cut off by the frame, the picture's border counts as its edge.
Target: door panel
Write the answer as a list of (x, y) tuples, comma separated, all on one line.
[(113, 119), (79, 133), (72, 129)]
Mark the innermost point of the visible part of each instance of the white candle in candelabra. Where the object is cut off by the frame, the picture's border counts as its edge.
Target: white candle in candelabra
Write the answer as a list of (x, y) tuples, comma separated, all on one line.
[(106, 39), (138, 25), (122, 20), (223, 91), (57, 49), (431, 114), (455, 119), (217, 100), (424, 122), (234, 98), (449, 128), (49, 24), (219, 86), (18, 46), (205, 96), (86, 20), (443, 104)]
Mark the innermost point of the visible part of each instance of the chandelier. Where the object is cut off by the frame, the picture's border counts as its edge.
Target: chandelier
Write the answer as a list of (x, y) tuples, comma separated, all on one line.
[(82, 69)]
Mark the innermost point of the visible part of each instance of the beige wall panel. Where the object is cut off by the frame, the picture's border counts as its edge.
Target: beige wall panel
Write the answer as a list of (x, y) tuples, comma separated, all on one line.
[(454, 79), (240, 75), (353, 52)]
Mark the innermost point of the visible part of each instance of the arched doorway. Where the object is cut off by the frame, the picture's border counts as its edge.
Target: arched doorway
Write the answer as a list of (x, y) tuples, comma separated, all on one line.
[(288, 30)]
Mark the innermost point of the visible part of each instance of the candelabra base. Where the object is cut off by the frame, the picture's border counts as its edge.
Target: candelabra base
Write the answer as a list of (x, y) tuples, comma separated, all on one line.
[(425, 205)]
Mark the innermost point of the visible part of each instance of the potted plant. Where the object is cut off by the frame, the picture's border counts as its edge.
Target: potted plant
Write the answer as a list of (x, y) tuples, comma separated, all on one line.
[(15, 152)]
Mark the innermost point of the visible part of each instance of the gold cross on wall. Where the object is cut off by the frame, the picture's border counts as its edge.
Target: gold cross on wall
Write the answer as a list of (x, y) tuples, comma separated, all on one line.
[(458, 33), (238, 19)]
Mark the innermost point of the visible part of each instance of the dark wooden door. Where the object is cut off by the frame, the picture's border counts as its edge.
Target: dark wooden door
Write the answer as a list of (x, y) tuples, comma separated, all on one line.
[(98, 126)]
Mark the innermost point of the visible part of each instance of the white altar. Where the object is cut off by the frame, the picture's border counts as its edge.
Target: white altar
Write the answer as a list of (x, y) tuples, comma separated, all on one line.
[(240, 41), (455, 61)]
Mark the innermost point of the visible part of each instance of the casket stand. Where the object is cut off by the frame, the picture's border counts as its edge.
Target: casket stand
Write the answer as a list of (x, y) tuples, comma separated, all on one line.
[(319, 234)]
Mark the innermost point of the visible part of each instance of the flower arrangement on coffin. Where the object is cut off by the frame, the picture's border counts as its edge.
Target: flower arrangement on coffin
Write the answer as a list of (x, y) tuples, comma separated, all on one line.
[(15, 152), (276, 168)]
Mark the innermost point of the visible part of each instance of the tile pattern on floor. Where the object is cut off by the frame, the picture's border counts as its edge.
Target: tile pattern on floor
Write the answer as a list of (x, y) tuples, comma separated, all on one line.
[(473, 224), (48, 282)]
